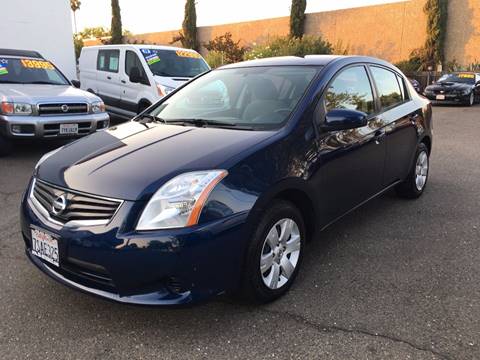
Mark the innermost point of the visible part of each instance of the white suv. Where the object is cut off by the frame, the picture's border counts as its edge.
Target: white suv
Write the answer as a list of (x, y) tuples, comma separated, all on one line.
[(129, 78)]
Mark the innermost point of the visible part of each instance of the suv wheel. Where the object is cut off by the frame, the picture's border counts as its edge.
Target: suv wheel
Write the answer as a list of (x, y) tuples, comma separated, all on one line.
[(6, 146), (274, 254), (414, 185)]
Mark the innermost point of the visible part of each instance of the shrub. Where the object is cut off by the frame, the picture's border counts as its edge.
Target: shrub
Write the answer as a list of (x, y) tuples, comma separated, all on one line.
[(214, 59), (415, 62), (287, 46), (230, 50)]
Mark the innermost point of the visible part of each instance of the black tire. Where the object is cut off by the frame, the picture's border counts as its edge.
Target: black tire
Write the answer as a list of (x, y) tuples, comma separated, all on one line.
[(6, 146), (471, 99), (142, 106), (408, 188), (253, 287)]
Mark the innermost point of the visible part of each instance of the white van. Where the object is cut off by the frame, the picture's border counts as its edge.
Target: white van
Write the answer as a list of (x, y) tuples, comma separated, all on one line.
[(129, 78)]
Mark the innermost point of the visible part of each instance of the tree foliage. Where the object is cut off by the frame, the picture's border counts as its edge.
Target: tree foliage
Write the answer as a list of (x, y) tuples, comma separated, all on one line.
[(230, 50), (287, 46), (75, 5), (188, 35), (116, 28), (297, 18), (437, 13)]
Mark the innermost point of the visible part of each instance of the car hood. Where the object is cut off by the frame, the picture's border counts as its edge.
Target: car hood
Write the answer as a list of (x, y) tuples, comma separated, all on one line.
[(172, 82), (449, 86), (133, 160), (37, 93)]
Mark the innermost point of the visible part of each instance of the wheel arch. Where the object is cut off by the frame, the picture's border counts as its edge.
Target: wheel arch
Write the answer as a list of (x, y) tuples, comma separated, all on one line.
[(428, 143), (143, 104)]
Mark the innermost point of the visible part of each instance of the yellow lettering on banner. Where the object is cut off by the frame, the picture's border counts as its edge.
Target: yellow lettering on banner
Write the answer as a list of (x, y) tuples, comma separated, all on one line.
[(188, 54), (466, 76), (36, 64)]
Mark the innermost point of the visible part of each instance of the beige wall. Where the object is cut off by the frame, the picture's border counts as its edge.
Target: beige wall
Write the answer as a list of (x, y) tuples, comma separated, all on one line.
[(388, 31)]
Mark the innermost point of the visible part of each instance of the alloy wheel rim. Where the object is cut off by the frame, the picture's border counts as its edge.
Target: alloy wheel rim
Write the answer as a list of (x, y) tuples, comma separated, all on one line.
[(421, 170), (472, 98), (280, 253)]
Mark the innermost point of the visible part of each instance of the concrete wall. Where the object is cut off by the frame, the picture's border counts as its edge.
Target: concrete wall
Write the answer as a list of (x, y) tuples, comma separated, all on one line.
[(389, 31), (44, 26)]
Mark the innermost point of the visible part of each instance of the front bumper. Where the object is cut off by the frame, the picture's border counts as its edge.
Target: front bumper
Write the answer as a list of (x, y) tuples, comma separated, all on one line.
[(449, 98), (49, 126), (167, 267)]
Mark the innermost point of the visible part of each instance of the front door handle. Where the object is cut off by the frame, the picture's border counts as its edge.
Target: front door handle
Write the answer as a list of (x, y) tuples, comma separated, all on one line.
[(123, 81), (109, 77)]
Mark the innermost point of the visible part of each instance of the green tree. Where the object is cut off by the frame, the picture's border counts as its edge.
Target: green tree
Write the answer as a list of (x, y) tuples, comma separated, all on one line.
[(297, 18), (434, 49), (188, 35), (75, 6), (117, 36)]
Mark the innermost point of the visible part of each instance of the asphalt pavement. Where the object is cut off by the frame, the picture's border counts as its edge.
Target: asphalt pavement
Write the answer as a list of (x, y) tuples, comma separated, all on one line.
[(396, 279)]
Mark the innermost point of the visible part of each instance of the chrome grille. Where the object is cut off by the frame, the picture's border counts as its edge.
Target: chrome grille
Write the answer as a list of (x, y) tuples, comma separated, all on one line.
[(62, 108), (65, 205)]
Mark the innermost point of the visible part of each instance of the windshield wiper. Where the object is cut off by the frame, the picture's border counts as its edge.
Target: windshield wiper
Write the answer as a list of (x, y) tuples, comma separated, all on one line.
[(10, 82), (207, 123), (151, 118)]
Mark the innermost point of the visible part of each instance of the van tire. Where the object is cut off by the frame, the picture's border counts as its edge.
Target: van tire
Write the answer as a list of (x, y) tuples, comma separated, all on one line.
[(143, 105)]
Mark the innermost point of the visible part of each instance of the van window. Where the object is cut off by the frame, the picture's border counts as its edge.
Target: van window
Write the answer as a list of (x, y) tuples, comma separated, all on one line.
[(108, 60), (387, 86), (351, 90), (132, 61)]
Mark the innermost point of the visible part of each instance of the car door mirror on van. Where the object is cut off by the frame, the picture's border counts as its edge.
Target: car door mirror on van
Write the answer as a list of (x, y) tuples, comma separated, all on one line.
[(135, 76), (344, 119), (75, 83)]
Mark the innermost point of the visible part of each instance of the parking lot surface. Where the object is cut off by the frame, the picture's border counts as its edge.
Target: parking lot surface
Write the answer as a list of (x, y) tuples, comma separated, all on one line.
[(396, 279)]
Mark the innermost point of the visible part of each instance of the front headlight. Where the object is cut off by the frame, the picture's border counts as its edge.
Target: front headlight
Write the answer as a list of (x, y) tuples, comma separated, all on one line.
[(179, 202), (13, 108), (98, 107)]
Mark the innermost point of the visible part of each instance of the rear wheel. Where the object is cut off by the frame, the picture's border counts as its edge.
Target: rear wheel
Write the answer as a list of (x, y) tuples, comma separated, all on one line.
[(414, 185), (274, 254), (6, 146)]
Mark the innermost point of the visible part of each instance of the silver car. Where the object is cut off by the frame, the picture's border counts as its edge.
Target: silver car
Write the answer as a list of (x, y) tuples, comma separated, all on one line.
[(38, 101)]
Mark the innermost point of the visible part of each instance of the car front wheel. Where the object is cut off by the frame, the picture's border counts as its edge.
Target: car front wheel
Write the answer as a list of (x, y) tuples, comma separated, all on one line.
[(471, 99), (274, 254), (414, 185)]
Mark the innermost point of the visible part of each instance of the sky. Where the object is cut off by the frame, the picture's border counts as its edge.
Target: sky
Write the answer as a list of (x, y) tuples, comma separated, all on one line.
[(142, 16)]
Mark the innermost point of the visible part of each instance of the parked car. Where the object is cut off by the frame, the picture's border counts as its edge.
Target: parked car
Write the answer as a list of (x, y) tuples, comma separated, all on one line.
[(219, 185), (129, 78), (462, 87), (38, 101), (416, 85)]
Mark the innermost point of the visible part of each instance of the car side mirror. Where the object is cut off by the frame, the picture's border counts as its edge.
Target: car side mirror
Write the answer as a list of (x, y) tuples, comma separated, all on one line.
[(135, 76), (344, 119), (75, 83)]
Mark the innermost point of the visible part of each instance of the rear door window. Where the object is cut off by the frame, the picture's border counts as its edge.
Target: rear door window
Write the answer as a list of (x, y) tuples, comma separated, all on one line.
[(388, 87), (108, 60)]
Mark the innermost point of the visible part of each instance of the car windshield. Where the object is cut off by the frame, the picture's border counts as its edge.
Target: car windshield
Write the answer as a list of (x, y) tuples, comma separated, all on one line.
[(174, 63), (260, 98), (29, 71), (466, 78)]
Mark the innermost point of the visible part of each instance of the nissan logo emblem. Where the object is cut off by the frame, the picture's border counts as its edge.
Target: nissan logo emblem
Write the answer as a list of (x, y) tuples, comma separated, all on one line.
[(64, 108), (59, 205)]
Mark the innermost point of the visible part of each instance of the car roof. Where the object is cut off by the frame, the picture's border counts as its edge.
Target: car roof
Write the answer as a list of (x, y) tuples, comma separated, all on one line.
[(22, 53), (312, 60), (137, 46)]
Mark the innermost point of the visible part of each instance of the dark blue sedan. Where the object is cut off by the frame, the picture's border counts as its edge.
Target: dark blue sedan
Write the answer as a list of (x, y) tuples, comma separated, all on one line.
[(219, 186)]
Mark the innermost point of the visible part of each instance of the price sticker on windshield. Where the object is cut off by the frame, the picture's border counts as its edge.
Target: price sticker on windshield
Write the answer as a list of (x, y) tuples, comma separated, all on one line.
[(152, 59), (3, 67), (36, 64), (188, 54), (466, 76)]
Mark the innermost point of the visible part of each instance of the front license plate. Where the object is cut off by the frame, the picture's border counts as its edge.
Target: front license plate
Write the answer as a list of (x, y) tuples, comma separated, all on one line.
[(45, 246), (68, 129), (440, 97)]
